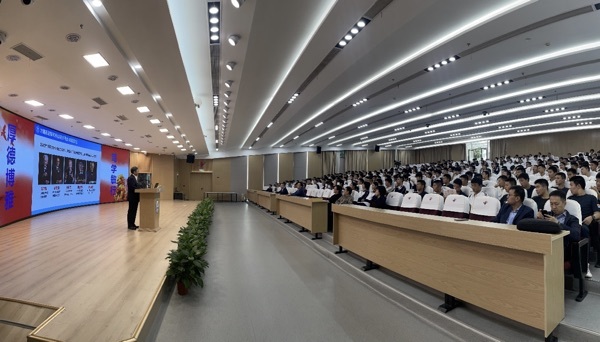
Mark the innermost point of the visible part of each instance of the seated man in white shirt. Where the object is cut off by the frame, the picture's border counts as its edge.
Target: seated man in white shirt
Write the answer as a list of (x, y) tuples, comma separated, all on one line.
[(476, 185)]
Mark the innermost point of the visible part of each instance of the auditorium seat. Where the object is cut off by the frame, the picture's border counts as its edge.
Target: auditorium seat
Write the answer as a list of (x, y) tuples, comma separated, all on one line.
[(327, 193), (432, 204), (311, 192), (490, 191), (318, 193), (393, 200), (411, 203), (484, 209), (456, 206), (531, 204), (466, 190), (356, 195)]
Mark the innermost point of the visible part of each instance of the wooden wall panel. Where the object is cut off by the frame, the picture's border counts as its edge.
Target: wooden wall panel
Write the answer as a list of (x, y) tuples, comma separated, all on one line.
[(221, 176), (375, 161), (255, 172), (163, 172), (142, 161), (286, 166), (315, 165), (558, 144)]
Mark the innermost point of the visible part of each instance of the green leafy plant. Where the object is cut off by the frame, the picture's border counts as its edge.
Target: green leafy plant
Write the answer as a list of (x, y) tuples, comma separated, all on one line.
[(186, 262)]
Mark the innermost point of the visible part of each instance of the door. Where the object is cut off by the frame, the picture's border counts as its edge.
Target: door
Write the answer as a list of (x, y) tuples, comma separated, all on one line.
[(199, 184)]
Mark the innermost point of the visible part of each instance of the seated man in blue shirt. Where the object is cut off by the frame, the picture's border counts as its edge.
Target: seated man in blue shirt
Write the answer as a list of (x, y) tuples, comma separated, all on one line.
[(514, 210)]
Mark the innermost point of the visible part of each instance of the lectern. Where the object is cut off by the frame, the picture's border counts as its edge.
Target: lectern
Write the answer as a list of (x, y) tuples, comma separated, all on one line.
[(149, 209)]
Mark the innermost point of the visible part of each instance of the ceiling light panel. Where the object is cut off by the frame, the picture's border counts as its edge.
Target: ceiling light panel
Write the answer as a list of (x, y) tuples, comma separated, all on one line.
[(497, 84), (96, 60), (442, 63), (359, 102), (34, 103), (354, 30), (143, 109), (125, 90), (214, 22)]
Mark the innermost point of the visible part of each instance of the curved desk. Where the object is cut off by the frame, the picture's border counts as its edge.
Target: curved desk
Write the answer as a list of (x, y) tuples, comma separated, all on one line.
[(513, 273), (267, 200)]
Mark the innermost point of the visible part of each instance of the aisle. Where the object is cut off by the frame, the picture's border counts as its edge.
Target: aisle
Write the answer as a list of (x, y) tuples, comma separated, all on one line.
[(263, 284)]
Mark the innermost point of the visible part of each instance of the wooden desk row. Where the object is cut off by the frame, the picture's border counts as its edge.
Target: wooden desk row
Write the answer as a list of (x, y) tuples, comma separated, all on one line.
[(309, 213), (513, 273)]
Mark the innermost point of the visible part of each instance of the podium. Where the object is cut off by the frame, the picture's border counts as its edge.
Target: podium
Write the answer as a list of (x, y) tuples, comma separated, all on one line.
[(149, 209)]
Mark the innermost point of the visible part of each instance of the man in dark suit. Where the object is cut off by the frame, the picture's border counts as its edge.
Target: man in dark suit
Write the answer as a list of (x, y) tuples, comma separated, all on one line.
[(558, 214), (133, 198), (514, 210)]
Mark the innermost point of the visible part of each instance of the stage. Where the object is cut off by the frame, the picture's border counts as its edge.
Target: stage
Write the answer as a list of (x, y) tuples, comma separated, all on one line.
[(79, 274)]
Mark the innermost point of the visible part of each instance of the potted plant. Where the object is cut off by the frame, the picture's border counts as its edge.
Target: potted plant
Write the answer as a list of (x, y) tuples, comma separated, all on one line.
[(186, 262)]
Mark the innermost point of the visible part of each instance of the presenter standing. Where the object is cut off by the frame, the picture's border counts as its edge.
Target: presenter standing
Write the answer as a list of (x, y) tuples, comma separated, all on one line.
[(133, 198)]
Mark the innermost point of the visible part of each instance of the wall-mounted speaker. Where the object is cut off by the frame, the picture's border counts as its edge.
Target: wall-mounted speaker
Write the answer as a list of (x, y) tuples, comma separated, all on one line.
[(190, 159), (376, 148), (318, 149)]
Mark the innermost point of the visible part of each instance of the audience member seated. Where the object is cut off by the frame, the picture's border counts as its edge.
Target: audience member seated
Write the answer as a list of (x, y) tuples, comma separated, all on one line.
[(389, 187), (514, 211), (436, 185), (560, 182), (476, 192), (590, 213), (269, 188), (559, 215), (378, 199), (541, 188), (509, 183), (337, 194), (457, 187), (346, 197), (283, 189), (421, 188), (300, 190), (399, 187), (524, 181)]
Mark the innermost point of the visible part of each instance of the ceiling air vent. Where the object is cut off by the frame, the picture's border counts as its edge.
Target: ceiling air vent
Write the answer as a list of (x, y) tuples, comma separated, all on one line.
[(122, 117), (27, 52), (99, 101), (96, 138), (148, 136), (41, 117)]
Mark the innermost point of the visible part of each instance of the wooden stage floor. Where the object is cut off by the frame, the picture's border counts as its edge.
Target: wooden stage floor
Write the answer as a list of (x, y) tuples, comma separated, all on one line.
[(85, 260)]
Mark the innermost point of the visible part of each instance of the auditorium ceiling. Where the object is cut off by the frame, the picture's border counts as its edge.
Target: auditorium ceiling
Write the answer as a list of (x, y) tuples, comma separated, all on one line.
[(345, 74)]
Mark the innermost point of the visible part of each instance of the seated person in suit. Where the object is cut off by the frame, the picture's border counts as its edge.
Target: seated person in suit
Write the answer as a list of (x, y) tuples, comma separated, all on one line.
[(514, 210), (346, 198), (270, 188), (378, 199), (558, 214), (337, 193), (283, 189), (300, 190)]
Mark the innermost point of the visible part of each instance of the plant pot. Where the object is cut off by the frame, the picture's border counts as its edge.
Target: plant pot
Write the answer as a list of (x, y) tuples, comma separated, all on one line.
[(181, 289)]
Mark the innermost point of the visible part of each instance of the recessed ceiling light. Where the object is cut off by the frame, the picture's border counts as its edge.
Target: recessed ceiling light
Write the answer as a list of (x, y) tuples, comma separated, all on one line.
[(106, 134), (342, 43), (34, 103), (119, 140), (170, 137), (156, 97), (66, 116), (163, 130), (233, 39), (270, 124), (88, 126), (296, 137), (128, 144), (214, 20), (183, 149), (361, 24), (169, 115), (354, 30), (125, 90), (348, 37), (136, 148), (143, 109), (227, 93), (96, 60), (216, 141), (213, 10), (179, 146), (230, 65), (175, 141), (228, 83), (237, 3), (214, 37), (154, 121), (214, 29)]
